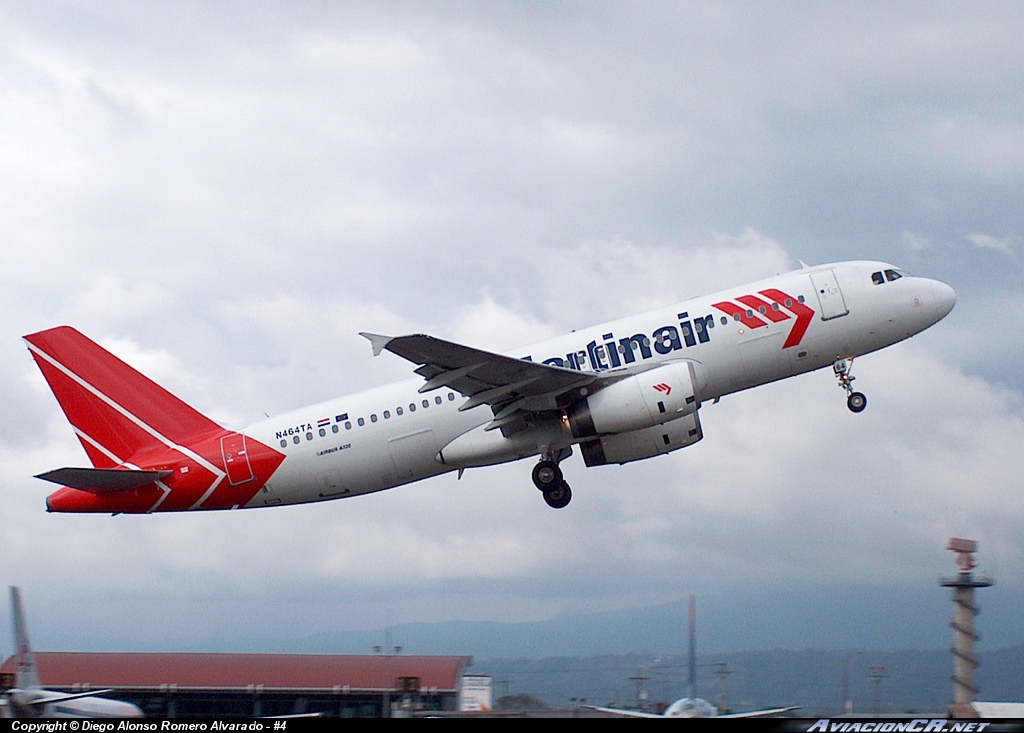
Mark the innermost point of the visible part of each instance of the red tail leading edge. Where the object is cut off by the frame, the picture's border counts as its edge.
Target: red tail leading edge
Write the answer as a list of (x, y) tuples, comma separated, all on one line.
[(128, 422)]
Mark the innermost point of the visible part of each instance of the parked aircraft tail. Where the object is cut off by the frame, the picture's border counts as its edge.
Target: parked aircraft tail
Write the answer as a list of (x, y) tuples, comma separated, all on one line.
[(25, 675)]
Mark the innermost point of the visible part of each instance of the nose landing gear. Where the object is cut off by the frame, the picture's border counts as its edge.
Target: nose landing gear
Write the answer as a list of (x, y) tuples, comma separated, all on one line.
[(856, 401), (547, 477)]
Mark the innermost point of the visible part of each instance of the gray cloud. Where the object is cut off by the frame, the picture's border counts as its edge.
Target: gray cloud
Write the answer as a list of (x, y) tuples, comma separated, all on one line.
[(225, 196)]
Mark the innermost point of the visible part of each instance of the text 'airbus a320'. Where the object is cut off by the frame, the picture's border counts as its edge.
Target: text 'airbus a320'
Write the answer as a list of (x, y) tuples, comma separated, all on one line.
[(622, 391)]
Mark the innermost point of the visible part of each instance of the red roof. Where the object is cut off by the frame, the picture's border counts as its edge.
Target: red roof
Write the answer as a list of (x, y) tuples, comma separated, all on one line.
[(125, 670)]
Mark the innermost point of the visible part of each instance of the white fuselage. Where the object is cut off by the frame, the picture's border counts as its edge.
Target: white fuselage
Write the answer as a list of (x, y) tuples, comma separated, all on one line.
[(92, 707), (392, 435)]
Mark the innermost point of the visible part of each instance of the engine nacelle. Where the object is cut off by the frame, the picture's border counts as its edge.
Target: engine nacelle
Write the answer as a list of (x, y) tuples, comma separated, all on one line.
[(650, 398), (639, 444)]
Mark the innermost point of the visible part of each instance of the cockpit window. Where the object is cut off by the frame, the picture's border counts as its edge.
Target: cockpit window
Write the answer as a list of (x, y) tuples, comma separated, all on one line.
[(876, 278), (891, 275)]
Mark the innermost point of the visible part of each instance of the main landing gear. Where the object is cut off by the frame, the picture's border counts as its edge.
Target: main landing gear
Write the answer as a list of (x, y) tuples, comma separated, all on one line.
[(856, 401), (547, 477)]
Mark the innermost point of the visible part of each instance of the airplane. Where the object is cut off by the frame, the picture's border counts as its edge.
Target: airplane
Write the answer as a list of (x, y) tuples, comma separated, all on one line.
[(28, 699), (620, 392), (693, 706)]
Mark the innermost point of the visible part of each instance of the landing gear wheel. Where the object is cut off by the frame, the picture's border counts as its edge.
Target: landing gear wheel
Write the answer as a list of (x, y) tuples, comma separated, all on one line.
[(558, 497), (856, 401), (547, 475)]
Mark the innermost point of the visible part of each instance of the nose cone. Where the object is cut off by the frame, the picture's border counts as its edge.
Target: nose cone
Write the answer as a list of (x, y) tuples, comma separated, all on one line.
[(945, 299)]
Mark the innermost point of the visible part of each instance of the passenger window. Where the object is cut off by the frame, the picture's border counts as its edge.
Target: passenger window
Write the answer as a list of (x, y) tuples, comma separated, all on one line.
[(426, 403), (398, 410), (295, 440), (348, 425), (412, 407), (800, 298), (725, 321), (451, 397), (736, 316), (361, 422), (373, 417), (876, 278), (309, 436), (284, 443), (775, 306), (891, 275), (334, 428), (322, 432), (437, 399)]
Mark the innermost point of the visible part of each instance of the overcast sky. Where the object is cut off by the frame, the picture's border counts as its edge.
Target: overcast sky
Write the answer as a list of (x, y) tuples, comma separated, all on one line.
[(226, 193)]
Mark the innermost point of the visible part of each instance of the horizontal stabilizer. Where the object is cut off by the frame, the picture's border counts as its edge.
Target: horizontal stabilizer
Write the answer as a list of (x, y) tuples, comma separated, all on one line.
[(102, 480)]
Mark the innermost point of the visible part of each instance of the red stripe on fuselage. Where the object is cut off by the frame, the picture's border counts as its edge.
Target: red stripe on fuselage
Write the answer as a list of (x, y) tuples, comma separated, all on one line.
[(804, 315), (772, 314), (734, 310)]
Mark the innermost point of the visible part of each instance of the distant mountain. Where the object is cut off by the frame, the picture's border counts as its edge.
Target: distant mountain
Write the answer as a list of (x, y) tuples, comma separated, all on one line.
[(792, 617), (592, 656)]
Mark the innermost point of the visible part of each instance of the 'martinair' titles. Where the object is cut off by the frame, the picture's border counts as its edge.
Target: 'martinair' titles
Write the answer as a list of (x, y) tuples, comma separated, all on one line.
[(664, 340)]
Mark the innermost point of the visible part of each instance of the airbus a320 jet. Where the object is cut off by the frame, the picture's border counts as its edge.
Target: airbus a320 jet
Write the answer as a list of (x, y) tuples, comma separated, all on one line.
[(619, 392)]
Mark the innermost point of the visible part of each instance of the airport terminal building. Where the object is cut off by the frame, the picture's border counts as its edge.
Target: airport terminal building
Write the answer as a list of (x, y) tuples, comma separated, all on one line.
[(244, 685)]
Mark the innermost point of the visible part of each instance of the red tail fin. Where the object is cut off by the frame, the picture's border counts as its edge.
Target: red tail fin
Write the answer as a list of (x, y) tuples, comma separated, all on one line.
[(126, 421), (116, 411)]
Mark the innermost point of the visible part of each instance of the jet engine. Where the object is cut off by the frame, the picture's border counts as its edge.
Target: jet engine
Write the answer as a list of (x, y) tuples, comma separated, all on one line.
[(650, 398), (639, 444)]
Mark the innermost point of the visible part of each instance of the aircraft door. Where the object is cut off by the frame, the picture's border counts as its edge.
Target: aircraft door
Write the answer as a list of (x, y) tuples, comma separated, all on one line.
[(830, 297), (331, 484), (236, 459)]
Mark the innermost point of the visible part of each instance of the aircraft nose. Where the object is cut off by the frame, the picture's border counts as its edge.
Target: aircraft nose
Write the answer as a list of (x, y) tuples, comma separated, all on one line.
[(945, 299)]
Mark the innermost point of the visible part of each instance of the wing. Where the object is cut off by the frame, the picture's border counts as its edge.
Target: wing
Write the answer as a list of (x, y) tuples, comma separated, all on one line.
[(510, 386), (37, 698), (761, 713), (619, 712)]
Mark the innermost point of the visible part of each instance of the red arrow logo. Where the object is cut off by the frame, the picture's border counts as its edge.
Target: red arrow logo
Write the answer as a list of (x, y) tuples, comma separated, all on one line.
[(772, 311), (802, 312)]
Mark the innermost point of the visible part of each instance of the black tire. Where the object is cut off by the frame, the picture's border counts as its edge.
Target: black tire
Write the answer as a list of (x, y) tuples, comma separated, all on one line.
[(857, 402), (558, 497), (547, 475)]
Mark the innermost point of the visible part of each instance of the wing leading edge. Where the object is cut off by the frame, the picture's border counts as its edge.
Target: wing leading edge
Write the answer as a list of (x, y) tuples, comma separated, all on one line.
[(508, 385)]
